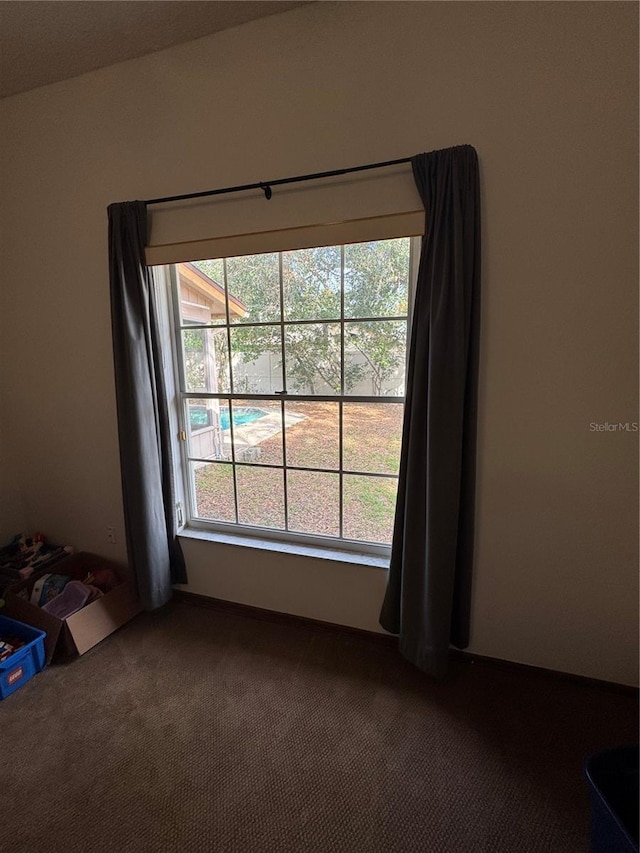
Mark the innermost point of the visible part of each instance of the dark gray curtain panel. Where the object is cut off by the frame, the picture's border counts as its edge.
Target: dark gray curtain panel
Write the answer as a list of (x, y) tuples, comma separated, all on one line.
[(428, 594), (143, 421)]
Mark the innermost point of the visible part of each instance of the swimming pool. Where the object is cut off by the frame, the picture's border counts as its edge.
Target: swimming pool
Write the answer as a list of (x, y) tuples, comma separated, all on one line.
[(241, 415), (201, 417)]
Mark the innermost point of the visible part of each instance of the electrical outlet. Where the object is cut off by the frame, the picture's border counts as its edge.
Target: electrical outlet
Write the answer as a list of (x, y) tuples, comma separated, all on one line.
[(111, 535)]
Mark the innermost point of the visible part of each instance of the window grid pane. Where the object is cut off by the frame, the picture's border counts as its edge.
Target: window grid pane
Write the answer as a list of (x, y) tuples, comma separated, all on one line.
[(283, 363), (260, 496), (376, 498)]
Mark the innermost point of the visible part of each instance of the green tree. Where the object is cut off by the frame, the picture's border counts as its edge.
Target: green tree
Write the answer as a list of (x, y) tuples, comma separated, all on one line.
[(193, 345), (376, 279), (311, 285), (197, 344), (374, 276)]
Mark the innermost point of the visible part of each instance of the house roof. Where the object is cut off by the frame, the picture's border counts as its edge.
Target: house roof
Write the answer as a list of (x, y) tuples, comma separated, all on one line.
[(211, 291)]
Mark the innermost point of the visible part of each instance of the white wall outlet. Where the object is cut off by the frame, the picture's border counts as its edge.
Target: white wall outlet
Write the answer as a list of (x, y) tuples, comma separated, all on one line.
[(111, 535)]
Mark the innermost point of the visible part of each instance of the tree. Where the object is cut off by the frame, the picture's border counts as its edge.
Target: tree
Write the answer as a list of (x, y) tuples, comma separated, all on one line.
[(202, 371), (375, 277), (376, 280), (311, 284), (194, 360)]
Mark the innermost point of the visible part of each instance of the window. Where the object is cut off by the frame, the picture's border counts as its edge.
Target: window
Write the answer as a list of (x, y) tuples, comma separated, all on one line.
[(290, 375)]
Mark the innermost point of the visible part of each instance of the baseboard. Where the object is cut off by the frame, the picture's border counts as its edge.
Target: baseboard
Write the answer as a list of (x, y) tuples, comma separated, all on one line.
[(513, 666), (247, 611)]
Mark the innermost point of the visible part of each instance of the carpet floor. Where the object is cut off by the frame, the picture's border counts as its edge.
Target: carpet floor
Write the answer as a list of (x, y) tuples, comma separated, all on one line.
[(192, 730)]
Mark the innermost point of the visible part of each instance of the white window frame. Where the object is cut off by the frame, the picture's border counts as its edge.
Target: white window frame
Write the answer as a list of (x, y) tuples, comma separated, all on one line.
[(185, 486)]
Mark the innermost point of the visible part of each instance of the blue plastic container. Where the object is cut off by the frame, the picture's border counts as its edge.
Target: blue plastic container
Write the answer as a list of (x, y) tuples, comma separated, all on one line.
[(24, 663), (613, 782)]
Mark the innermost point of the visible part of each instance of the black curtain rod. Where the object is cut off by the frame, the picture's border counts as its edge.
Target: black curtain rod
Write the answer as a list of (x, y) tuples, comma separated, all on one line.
[(265, 186)]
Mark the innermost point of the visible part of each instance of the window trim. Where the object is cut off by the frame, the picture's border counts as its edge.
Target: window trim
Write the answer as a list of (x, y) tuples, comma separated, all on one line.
[(300, 549), (246, 533)]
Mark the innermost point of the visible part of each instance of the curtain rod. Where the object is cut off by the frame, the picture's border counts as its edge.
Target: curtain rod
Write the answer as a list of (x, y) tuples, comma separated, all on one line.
[(265, 186)]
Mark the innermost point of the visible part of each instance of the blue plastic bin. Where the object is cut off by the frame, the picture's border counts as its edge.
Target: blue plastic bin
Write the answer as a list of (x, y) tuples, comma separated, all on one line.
[(23, 664), (613, 783)]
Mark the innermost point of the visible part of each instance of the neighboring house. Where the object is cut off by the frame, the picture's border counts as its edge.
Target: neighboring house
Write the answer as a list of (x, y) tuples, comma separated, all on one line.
[(202, 301), (202, 298)]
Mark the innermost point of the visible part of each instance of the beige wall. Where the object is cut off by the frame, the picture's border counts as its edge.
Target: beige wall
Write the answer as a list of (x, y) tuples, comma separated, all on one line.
[(12, 517), (547, 92)]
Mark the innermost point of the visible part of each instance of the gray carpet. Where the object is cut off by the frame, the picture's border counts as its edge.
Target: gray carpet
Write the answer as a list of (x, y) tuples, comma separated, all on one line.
[(196, 731)]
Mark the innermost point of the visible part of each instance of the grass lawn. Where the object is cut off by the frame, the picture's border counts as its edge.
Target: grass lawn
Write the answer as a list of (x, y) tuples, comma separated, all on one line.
[(371, 444)]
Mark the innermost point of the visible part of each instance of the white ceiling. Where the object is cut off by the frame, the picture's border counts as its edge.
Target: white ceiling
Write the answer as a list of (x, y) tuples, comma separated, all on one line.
[(43, 42)]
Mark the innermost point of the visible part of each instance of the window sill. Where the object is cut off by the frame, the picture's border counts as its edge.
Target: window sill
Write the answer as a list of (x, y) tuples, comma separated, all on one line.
[(314, 552)]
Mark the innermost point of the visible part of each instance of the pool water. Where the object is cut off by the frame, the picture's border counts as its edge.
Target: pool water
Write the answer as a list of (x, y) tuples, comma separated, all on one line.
[(241, 415), (200, 417)]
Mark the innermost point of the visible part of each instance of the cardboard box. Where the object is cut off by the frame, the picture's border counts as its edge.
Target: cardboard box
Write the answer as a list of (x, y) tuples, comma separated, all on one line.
[(87, 627)]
